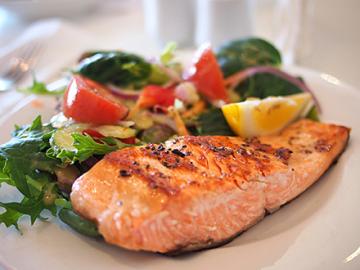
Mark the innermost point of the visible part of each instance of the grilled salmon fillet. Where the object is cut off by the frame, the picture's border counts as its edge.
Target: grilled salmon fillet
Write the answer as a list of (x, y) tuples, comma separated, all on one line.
[(192, 192)]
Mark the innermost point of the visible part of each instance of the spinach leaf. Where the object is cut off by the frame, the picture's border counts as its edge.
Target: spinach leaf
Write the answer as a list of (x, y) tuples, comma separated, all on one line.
[(115, 67), (263, 85), (211, 122), (237, 55)]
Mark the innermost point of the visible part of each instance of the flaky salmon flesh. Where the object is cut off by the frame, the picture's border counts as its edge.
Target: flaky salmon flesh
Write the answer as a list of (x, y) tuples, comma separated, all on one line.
[(191, 193)]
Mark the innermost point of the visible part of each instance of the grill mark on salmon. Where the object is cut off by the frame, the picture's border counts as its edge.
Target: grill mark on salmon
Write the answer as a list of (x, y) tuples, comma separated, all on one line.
[(192, 193)]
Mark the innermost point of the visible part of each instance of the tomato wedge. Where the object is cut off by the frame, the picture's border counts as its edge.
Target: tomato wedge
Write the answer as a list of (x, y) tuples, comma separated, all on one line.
[(153, 95), (93, 133), (206, 75), (90, 102), (131, 140)]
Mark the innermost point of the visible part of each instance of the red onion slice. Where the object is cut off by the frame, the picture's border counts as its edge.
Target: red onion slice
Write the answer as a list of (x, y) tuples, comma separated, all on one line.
[(124, 94), (241, 76)]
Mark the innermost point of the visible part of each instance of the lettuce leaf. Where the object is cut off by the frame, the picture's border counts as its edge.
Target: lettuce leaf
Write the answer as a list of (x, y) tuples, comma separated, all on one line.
[(24, 155), (84, 148), (168, 53), (25, 166)]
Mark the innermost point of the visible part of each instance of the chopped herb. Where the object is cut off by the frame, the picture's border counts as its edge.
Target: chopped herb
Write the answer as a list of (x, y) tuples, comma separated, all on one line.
[(40, 88)]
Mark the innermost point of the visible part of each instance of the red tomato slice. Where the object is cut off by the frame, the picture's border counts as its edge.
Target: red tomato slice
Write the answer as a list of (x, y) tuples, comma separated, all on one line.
[(90, 102), (97, 135), (130, 140), (93, 133), (207, 76), (156, 95)]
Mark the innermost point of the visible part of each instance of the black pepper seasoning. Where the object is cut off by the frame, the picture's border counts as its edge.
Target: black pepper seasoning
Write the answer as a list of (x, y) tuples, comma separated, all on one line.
[(125, 173), (178, 152)]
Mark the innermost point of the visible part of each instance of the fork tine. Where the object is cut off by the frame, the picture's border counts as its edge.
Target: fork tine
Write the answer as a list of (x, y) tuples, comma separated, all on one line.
[(20, 52), (27, 58), (29, 51), (17, 73), (22, 55), (34, 56), (14, 72)]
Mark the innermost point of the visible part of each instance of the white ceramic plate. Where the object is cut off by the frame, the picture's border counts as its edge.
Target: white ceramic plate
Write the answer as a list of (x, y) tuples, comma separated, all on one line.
[(318, 230)]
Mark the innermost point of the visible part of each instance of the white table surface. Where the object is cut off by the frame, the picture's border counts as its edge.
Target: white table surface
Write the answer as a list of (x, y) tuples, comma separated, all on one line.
[(334, 35)]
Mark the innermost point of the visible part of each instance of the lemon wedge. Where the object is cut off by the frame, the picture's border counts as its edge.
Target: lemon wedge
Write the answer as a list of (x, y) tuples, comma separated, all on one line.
[(256, 117)]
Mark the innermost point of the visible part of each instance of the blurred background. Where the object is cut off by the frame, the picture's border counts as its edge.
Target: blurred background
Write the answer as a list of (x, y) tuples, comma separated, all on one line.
[(318, 34)]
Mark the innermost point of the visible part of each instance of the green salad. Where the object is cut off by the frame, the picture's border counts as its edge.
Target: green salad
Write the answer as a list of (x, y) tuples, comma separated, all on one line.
[(116, 99)]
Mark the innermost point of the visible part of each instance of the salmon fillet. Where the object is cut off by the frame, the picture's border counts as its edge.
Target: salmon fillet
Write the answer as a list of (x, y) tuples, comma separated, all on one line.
[(193, 192)]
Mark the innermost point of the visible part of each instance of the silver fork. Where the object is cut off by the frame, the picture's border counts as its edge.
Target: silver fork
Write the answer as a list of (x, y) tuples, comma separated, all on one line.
[(18, 64)]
